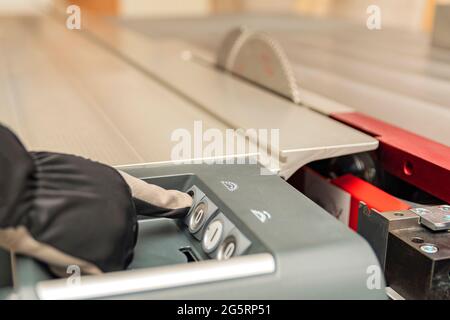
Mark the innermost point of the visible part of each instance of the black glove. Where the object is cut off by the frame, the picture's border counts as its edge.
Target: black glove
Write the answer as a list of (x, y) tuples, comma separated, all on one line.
[(66, 210)]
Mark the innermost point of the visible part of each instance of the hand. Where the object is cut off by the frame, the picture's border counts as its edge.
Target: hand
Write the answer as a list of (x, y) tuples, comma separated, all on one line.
[(157, 196)]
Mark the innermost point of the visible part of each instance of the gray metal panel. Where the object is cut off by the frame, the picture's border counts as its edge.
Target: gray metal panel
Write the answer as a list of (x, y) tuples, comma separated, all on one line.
[(158, 244), (64, 93), (385, 45), (94, 104), (393, 75), (375, 226), (5, 269), (306, 241), (51, 112), (304, 134)]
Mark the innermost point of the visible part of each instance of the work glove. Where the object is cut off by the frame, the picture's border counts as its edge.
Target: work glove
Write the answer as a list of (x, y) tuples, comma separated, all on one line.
[(66, 210)]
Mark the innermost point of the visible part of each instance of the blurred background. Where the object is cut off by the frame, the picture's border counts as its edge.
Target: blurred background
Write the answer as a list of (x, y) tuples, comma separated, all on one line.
[(405, 14)]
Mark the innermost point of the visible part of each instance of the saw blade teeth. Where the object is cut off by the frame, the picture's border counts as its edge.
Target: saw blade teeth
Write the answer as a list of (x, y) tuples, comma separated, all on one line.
[(238, 55), (227, 45), (286, 66)]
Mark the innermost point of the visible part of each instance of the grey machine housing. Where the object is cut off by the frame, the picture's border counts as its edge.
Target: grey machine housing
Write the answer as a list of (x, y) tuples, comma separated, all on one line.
[(286, 246)]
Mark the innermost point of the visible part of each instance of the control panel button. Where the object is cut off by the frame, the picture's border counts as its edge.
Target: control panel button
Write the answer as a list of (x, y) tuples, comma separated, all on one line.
[(212, 236), (227, 249), (197, 217)]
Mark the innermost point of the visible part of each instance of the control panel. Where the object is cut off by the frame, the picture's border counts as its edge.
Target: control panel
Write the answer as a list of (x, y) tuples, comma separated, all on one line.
[(219, 237), (247, 236)]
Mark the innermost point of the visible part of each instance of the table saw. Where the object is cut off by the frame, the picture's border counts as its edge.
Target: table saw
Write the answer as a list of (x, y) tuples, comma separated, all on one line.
[(362, 120)]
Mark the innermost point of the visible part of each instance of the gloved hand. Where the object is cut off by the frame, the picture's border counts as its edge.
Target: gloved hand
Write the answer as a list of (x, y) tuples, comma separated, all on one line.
[(66, 210), (152, 200)]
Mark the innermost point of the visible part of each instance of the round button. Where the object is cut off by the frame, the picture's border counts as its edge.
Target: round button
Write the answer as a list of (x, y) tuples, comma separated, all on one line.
[(197, 217), (212, 236), (429, 248), (227, 249)]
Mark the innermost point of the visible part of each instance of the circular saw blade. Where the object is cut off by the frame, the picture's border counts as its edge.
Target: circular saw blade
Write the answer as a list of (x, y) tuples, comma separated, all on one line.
[(256, 57), (228, 44)]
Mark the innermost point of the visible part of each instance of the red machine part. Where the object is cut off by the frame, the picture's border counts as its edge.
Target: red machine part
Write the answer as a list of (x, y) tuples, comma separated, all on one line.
[(373, 197), (412, 158)]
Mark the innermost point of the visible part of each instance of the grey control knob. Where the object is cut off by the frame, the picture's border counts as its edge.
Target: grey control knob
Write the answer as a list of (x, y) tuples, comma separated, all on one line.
[(227, 249), (212, 236), (197, 218)]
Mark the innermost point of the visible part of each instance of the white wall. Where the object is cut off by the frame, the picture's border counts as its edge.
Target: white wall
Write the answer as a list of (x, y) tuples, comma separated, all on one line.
[(164, 7)]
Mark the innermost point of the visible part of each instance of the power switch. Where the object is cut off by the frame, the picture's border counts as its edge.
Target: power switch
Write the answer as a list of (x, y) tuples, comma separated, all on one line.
[(197, 217)]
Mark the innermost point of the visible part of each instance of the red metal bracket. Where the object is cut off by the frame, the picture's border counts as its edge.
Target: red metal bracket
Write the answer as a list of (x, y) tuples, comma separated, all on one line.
[(417, 160), (373, 197)]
